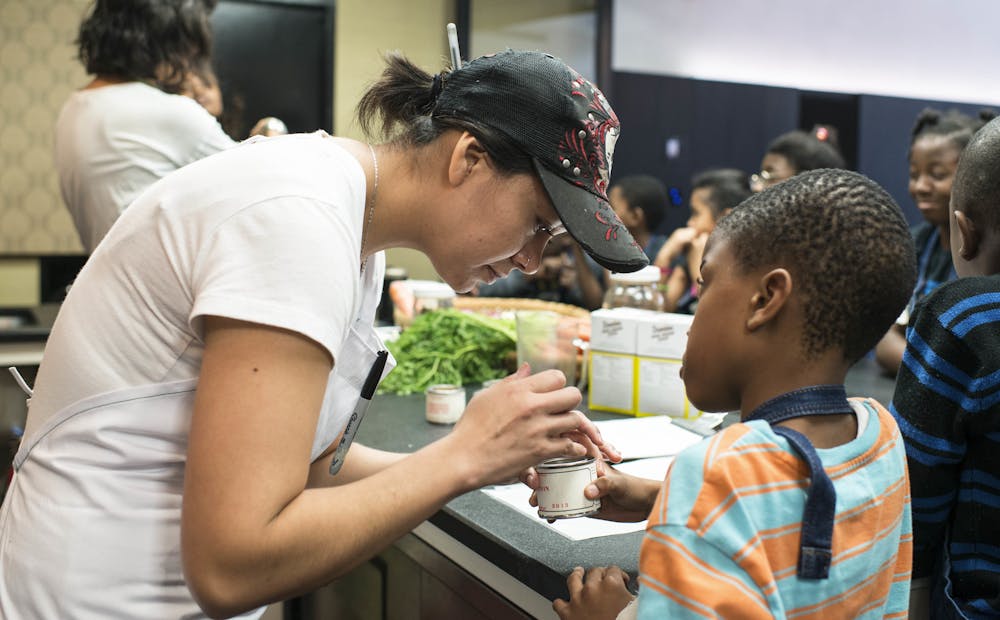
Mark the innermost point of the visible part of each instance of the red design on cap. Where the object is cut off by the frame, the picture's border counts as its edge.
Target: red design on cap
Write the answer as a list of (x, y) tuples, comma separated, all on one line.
[(612, 231), (592, 152)]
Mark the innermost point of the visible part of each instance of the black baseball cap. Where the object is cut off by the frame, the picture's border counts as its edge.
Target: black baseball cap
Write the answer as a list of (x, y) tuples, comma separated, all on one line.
[(567, 127)]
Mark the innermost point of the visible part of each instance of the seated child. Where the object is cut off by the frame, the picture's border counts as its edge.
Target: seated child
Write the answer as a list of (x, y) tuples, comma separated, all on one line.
[(802, 509), (936, 142), (947, 403), (557, 278), (794, 152), (640, 201), (714, 193)]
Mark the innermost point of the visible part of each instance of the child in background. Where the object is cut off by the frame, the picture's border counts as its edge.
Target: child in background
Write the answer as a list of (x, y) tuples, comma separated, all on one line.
[(794, 152), (947, 406), (714, 193), (936, 142), (640, 201), (803, 508)]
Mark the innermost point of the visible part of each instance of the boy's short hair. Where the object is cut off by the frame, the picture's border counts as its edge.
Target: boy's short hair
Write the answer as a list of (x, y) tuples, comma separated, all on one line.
[(976, 191), (727, 187), (804, 151), (847, 246), (647, 193)]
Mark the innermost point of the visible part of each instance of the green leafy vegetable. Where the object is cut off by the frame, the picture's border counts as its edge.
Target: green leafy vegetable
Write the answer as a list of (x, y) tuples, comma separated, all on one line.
[(449, 346)]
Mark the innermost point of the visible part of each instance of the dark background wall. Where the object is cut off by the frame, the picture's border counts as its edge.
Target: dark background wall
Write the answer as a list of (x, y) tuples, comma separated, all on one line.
[(723, 124)]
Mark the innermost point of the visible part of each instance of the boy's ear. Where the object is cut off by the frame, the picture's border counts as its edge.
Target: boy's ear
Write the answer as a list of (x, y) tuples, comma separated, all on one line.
[(773, 290), (466, 155), (969, 236)]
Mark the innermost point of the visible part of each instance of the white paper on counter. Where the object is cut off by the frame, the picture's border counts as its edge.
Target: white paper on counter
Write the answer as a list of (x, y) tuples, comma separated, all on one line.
[(640, 438), (516, 496)]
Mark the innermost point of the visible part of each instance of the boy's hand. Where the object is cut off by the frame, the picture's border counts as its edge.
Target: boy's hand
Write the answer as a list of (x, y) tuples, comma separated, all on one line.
[(674, 246), (624, 498), (599, 595)]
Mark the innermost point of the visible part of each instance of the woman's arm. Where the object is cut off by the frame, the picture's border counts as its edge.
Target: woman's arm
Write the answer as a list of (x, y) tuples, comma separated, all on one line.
[(361, 462), (253, 533)]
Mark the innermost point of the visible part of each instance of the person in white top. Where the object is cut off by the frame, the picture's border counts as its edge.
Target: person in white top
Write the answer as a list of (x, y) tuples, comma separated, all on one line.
[(131, 125), (176, 460)]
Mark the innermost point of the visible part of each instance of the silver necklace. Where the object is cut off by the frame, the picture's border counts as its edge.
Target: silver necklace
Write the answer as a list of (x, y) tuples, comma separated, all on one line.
[(371, 207)]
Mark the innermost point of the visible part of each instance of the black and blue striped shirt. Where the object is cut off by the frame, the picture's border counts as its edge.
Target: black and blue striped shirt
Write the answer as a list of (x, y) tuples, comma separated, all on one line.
[(947, 405)]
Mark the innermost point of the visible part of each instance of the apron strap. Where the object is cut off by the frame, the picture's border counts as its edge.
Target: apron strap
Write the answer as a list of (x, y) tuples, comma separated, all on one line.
[(816, 538), (20, 381), (816, 541)]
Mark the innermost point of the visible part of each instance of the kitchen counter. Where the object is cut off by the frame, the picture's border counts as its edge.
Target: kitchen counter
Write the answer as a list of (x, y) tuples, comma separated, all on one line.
[(535, 556), (520, 558)]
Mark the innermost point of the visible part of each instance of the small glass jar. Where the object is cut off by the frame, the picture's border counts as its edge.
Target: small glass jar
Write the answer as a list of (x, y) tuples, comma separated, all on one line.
[(639, 289), (430, 296)]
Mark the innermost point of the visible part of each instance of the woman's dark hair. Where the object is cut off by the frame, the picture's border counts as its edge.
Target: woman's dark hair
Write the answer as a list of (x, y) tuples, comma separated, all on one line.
[(804, 151), (155, 40), (727, 187), (957, 127), (398, 106)]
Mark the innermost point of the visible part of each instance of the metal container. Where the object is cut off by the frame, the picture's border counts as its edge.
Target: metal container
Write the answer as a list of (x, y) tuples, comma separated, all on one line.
[(561, 483)]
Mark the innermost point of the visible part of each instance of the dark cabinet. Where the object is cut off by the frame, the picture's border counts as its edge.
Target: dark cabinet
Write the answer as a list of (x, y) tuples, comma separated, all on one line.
[(408, 581)]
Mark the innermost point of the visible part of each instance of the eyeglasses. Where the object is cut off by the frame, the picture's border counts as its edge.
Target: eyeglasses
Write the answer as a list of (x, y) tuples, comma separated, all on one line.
[(764, 179), (553, 230)]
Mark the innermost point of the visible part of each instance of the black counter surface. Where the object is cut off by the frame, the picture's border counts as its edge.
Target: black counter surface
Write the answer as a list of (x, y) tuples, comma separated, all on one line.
[(522, 547)]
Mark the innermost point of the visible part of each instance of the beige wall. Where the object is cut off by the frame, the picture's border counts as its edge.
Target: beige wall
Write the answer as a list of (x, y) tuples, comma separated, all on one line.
[(367, 29), (38, 71)]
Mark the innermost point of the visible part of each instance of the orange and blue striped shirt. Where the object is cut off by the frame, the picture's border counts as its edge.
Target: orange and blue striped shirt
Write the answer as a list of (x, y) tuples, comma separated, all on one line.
[(722, 539)]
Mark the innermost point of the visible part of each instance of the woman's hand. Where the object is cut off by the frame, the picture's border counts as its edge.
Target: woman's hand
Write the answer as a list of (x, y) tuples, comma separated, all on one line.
[(600, 594), (520, 422)]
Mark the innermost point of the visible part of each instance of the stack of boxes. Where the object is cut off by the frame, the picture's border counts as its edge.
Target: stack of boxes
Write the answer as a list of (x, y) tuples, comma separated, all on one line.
[(635, 362)]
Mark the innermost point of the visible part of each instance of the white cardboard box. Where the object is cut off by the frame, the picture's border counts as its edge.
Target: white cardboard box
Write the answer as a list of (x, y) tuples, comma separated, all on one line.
[(662, 334), (614, 330), (660, 389), (612, 382)]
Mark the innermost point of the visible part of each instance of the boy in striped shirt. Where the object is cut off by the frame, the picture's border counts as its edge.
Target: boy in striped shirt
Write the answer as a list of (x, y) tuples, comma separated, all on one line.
[(947, 404), (802, 509)]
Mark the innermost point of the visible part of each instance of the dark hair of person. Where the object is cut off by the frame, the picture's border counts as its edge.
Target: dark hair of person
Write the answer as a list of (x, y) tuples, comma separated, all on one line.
[(804, 151), (645, 192), (976, 190), (158, 41), (952, 124), (727, 187), (398, 106), (847, 246)]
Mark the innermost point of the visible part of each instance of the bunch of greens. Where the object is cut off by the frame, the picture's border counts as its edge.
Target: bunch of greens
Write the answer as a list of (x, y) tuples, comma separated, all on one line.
[(449, 346)]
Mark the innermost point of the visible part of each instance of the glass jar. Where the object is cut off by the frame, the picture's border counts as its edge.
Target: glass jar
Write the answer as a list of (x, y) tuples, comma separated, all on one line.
[(429, 296), (639, 289)]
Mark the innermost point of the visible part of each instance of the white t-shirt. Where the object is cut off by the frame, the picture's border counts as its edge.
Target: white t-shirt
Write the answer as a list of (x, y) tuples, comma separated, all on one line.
[(269, 232), (113, 142)]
